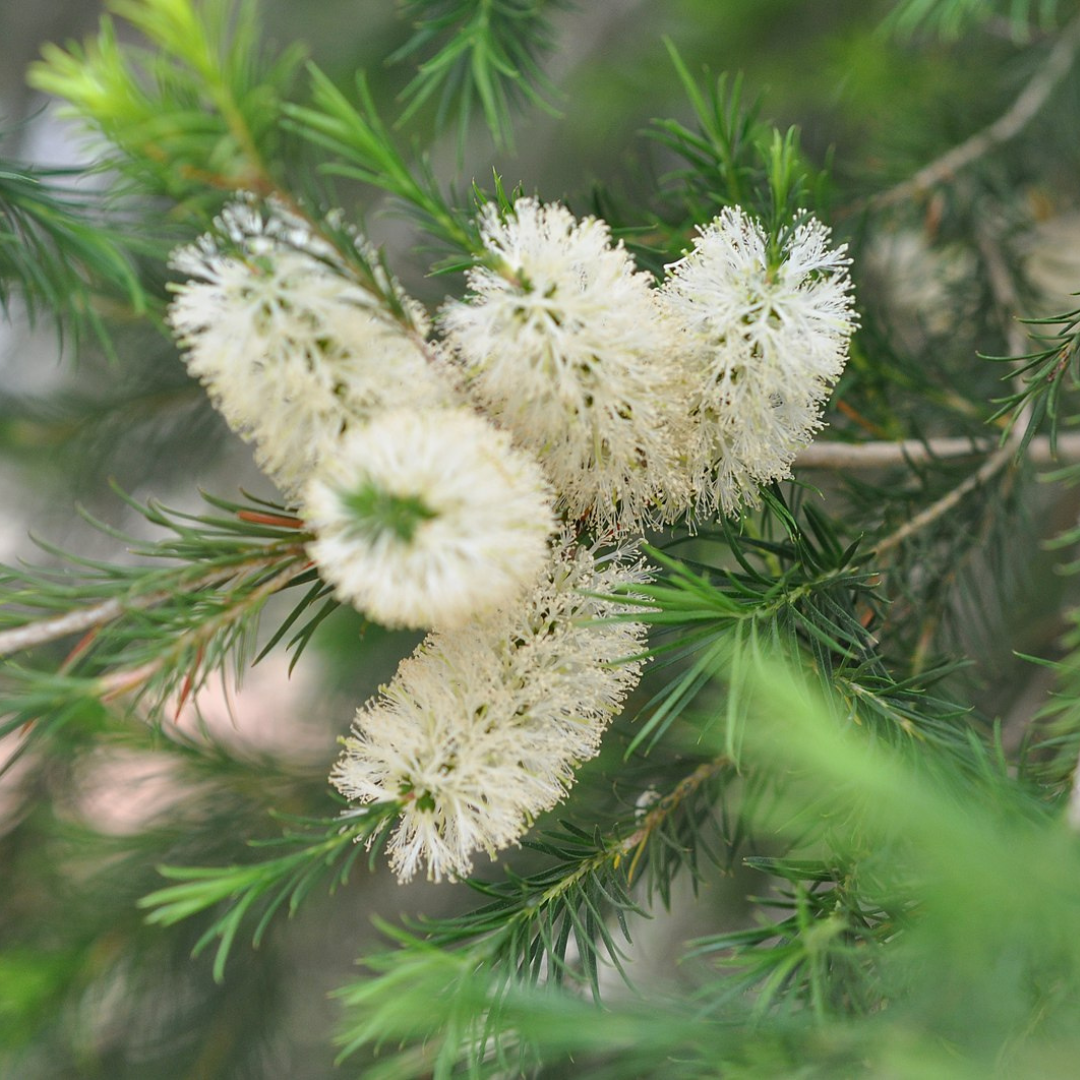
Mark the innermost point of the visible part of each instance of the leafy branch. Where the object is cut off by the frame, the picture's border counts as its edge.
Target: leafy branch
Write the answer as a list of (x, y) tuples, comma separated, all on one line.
[(327, 848), (197, 117), (147, 629), (356, 135), (889, 871), (548, 929), (735, 159), (806, 597), (722, 622), (1041, 377), (478, 52), (527, 930), (899, 830), (59, 251), (832, 938)]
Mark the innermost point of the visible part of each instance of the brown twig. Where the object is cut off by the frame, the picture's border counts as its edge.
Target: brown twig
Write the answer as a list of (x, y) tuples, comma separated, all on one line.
[(666, 806), (880, 455), (990, 468), (120, 682), (20, 638), (1007, 126)]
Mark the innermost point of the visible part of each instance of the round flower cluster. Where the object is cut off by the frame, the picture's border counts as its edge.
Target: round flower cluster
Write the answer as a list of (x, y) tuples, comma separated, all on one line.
[(344, 405), (429, 518), (567, 390)]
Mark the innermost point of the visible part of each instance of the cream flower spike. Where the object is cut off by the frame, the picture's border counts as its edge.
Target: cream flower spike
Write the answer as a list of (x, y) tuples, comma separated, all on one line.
[(291, 349), (765, 341), (481, 730), (427, 518), (561, 343)]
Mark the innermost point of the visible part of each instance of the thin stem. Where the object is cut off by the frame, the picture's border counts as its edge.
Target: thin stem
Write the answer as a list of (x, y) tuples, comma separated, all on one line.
[(20, 638), (1005, 296), (989, 469), (881, 454), (637, 840), (630, 847), (1007, 126), (119, 682)]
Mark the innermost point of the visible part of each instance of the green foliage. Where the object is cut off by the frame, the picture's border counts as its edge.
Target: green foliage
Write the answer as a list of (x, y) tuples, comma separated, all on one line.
[(558, 925), (823, 733), (326, 848), (482, 53), (803, 591), (58, 250), (734, 159), (357, 137), (148, 630), (951, 18), (537, 933), (196, 115), (959, 871), (923, 896), (1041, 378)]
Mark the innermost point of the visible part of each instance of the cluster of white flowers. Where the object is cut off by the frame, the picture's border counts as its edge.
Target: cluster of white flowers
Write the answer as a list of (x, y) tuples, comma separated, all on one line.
[(481, 729), (646, 403), (423, 513), (567, 386)]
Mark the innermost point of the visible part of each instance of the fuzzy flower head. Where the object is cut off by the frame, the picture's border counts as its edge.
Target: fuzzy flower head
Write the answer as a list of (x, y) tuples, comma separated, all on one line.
[(425, 518), (561, 342), (292, 350), (481, 730), (430, 741), (766, 339)]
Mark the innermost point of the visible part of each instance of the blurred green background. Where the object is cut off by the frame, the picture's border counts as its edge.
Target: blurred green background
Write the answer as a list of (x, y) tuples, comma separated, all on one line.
[(86, 990)]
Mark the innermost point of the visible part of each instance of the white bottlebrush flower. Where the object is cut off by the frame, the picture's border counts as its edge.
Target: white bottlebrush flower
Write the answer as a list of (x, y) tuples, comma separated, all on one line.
[(292, 350), (432, 741), (766, 337), (427, 517), (561, 342), (481, 729)]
